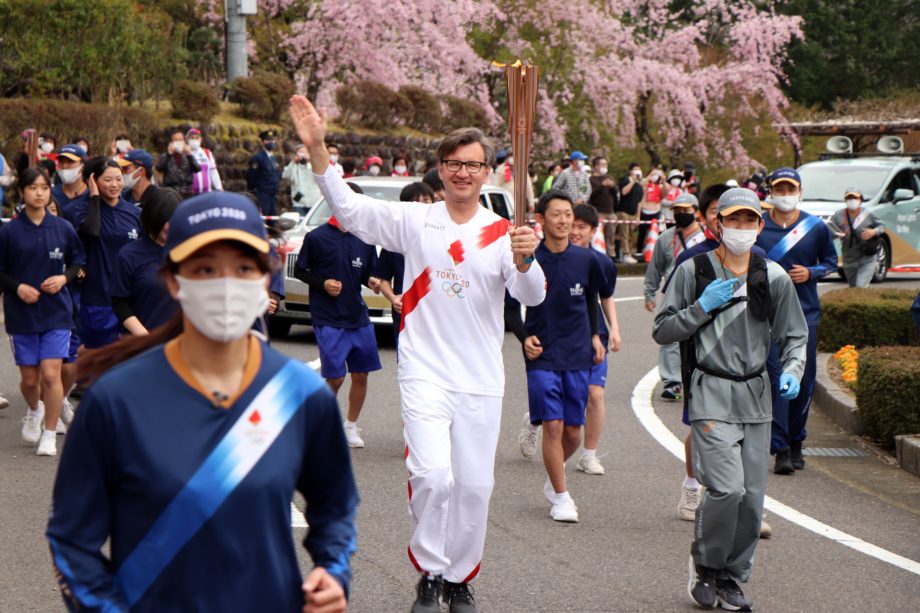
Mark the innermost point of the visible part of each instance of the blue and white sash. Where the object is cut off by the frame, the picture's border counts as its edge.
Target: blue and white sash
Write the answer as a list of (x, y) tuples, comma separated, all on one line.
[(792, 238), (226, 466)]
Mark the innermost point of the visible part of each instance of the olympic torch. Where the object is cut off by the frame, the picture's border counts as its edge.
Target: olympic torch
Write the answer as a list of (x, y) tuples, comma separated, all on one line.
[(522, 107)]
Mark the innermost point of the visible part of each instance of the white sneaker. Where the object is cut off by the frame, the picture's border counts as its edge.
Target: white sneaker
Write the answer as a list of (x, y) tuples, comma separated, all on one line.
[(352, 436), (628, 259), (689, 501), (565, 511), (549, 491), (590, 465), (766, 531), (32, 424), (4, 402), (528, 438), (47, 446), (67, 412)]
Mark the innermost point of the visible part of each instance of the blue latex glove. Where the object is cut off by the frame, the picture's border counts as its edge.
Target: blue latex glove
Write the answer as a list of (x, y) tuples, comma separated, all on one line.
[(716, 294), (788, 386)]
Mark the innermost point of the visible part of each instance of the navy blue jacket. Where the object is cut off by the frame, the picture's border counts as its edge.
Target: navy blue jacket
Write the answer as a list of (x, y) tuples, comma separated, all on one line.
[(263, 175), (329, 253), (136, 277), (142, 431), (121, 224), (30, 254), (573, 279), (65, 204)]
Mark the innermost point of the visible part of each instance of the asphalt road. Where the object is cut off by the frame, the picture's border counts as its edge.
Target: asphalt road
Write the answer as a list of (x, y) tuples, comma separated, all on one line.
[(629, 551)]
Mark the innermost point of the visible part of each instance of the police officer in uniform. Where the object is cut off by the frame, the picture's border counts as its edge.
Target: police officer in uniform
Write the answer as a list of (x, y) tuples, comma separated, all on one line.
[(264, 175)]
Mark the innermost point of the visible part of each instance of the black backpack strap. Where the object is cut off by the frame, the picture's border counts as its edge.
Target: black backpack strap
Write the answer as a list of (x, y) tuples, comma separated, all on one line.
[(759, 288)]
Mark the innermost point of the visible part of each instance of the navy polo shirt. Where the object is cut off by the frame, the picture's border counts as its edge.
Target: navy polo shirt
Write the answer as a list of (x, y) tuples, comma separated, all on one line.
[(136, 277), (121, 224), (276, 279), (30, 254), (561, 321), (329, 253), (609, 269), (391, 266), (65, 205)]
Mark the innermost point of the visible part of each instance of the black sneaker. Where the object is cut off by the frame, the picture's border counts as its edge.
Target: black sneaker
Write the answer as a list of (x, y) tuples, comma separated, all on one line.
[(428, 595), (795, 454), (672, 392), (730, 596), (783, 464), (459, 597), (701, 588)]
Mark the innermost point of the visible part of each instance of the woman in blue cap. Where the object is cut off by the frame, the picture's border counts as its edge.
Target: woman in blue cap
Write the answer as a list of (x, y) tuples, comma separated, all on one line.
[(186, 457)]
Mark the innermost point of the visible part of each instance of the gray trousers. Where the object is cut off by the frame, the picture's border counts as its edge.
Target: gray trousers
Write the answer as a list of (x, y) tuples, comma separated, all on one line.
[(669, 364), (860, 271), (731, 461)]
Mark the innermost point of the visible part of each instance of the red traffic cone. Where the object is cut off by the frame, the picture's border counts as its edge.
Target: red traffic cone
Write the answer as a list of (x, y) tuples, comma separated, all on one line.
[(650, 239)]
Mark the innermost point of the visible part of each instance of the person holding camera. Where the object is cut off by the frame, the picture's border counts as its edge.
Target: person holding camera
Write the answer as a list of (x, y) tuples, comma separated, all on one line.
[(859, 231), (299, 173), (178, 165)]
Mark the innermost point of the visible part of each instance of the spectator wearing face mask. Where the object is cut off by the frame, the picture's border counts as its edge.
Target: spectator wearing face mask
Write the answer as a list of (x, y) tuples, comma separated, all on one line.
[(46, 145), (334, 160), (373, 166), (299, 173), (858, 230), (674, 188), (178, 165), (121, 145), (575, 181), (263, 177), (637, 193), (604, 197), (207, 179), (400, 166)]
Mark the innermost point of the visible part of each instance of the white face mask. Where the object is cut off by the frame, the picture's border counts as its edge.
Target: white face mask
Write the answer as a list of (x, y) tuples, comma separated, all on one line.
[(333, 159), (853, 204), (123, 145), (69, 176), (194, 144), (400, 169), (510, 161), (223, 309), (579, 164), (675, 181), (602, 170), (374, 170), (738, 241), (47, 147), (785, 203), (132, 178)]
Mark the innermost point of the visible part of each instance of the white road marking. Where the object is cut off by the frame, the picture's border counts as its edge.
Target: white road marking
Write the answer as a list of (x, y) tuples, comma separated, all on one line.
[(645, 413), (297, 518), (314, 364), (627, 299)]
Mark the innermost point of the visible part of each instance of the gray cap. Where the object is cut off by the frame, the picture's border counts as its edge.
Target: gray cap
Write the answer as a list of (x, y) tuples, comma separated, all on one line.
[(853, 191), (684, 200), (738, 198)]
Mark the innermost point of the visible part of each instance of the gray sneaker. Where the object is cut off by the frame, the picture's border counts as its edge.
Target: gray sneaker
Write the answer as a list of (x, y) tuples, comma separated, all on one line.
[(700, 587), (459, 597), (730, 596), (428, 595)]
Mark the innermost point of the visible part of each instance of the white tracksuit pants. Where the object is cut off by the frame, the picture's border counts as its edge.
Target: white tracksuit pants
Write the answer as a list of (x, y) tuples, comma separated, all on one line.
[(451, 439)]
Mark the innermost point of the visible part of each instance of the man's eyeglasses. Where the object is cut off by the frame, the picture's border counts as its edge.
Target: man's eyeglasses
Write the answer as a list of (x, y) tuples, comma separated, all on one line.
[(471, 167)]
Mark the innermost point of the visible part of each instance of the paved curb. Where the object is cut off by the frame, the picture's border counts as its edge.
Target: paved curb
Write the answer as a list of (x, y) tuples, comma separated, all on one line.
[(842, 410), (837, 405)]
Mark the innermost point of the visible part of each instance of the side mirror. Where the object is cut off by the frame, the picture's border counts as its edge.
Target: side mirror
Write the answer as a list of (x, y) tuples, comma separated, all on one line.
[(287, 223), (902, 194)]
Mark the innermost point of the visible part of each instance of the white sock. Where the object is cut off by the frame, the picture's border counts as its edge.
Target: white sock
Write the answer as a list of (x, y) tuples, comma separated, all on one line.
[(691, 483), (589, 453), (34, 411), (560, 497), (351, 424)]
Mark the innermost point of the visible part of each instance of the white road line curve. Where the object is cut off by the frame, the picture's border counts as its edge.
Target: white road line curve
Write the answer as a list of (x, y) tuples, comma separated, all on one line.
[(642, 407)]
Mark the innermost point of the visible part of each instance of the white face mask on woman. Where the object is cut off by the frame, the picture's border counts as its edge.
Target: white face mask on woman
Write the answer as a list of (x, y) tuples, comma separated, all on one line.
[(786, 203), (223, 309), (738, 241), (853, 203)]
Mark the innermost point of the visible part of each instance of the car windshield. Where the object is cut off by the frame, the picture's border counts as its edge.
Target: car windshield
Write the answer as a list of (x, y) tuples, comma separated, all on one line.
[(828, 182), (321, 213)]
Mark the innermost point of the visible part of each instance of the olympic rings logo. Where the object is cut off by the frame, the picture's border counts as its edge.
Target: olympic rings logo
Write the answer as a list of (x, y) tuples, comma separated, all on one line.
[(453, 289)]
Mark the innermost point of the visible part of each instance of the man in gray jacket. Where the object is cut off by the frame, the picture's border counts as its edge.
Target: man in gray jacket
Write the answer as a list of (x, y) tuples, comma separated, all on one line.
[(725, 307)]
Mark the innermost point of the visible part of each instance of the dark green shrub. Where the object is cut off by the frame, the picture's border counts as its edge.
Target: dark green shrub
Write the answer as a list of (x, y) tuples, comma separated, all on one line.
[(279, 90), (866, 317), (425, 112), (371, 105), (463, 113), (97, 122), (887, 389), (252, 97), (194, 100)]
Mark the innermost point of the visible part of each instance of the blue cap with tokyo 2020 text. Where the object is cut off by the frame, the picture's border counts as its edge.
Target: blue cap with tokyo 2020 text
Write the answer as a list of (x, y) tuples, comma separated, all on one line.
[(213, 217), (790, 175), (73, 152)]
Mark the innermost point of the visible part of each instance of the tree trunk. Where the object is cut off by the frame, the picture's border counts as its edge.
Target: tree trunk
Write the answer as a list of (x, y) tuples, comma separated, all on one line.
[(642, 130)]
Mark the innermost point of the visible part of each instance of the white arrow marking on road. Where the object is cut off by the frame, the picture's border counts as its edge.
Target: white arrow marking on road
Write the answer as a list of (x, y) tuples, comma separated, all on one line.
[(645, 413)]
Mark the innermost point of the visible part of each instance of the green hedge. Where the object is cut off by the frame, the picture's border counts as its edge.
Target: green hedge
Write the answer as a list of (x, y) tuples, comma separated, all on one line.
[(194, 100), (866, 317), (888, 392), (97, 122)]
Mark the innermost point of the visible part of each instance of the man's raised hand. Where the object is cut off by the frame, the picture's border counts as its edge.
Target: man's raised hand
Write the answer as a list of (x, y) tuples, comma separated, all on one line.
[(309, 123)]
